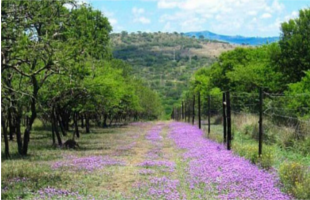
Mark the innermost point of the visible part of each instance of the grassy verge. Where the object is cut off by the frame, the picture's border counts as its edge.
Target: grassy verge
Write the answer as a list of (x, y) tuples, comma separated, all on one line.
[(35, 177)]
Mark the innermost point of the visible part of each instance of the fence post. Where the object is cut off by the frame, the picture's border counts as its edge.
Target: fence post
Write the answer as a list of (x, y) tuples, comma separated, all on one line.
[(199, 111), (260, 136), (224, 117), (182, 110), (228, 121), (189, 112), (174, 113), (180, 113), (209, 114), (185, 111), (193, 119)]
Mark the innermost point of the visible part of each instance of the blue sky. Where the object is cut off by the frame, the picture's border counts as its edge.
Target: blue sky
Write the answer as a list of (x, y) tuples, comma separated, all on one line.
[(228, 17)]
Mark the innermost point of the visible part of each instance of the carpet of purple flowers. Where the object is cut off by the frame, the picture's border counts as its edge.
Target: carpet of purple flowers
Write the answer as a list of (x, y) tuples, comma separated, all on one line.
[(167, 161), (161, 187), (219, 173)]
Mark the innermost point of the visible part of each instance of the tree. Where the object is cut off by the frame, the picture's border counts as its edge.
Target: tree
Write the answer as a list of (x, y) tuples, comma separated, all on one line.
[(298, 96), (50, 41), (294, 57)]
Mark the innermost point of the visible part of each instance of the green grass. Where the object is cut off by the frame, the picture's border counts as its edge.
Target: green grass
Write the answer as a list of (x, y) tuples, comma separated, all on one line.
[(242, 139), (275, 155), (36, 169), (110, 182)]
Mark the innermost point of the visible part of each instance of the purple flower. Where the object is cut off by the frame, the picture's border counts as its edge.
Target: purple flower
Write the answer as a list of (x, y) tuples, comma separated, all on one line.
[(54, 193), (88, 163), (219, 172)]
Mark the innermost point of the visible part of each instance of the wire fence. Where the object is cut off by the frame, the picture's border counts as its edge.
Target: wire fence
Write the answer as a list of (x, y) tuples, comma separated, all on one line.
[(267, 118)]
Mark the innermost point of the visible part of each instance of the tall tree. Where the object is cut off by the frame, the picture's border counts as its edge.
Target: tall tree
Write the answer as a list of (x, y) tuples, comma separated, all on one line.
[(43, 38), (294, 58)]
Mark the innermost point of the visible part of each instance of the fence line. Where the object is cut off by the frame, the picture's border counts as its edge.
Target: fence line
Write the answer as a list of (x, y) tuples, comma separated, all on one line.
[(237, 103)]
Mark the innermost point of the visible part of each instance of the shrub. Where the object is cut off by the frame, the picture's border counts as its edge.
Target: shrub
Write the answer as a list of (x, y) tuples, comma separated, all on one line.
[(250, 152), (266, 160), (296, 179), (247, 151)]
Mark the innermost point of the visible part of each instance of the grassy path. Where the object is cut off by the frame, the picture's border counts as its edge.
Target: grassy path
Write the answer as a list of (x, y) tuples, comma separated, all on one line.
[(163, 160)]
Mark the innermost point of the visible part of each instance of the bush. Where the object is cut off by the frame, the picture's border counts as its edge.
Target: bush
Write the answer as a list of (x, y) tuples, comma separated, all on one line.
[(296, 179), (266, 160), (247, 151), (250, 152)]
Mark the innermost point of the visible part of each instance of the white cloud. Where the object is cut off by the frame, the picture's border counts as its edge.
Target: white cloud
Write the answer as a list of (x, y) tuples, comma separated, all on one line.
[(167, 4), (138, 16), (276, 6), (293, 15), (252, 13), (143, 20), (111, 17), (234, 16), (266, 16), (137, 11), (113, 21)]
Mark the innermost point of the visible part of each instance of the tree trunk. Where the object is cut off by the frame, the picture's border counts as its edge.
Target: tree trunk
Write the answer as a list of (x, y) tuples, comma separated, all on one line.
[(65, 120), (33, 114), (75, 119), (61, 124), (18, 132), (11, 123), (6, 140), (53, 133), (87, 123), (56, 131), (105, 117)]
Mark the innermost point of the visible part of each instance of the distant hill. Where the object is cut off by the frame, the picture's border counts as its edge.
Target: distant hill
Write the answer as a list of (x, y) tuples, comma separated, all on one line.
[(166, 61), (233, 39)]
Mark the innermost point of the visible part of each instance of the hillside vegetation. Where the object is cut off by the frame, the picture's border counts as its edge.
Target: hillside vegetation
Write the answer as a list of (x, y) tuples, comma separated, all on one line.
[(166, 60)]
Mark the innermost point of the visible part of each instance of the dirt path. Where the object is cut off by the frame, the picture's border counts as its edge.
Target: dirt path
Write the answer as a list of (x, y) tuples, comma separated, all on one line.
[(161, 160)]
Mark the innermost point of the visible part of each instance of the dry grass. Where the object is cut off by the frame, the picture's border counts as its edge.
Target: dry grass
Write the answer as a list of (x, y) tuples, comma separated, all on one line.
[(212, 49)]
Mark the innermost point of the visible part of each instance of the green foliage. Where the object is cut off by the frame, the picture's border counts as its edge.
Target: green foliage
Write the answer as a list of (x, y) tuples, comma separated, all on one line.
[(164, 61), (301, 93), (296, 179), (302, 146), (294, 57), (250, 152), (60, 62)]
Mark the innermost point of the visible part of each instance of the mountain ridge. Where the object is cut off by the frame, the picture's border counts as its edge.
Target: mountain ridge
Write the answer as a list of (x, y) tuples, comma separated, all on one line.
[(237, 39)]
